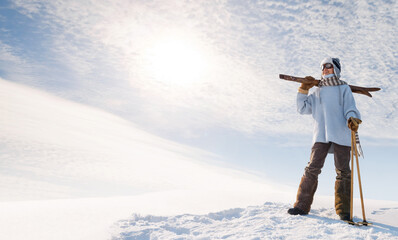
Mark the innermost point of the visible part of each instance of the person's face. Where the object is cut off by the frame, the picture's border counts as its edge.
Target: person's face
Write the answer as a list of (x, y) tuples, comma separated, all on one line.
[(327, 69)]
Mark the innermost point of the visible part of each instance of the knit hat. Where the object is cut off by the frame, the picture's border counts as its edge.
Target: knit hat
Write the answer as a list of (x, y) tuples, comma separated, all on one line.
[(336, 65)]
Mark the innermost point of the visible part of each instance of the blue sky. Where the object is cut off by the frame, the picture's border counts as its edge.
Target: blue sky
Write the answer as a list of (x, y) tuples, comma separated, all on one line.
[(205, 74)]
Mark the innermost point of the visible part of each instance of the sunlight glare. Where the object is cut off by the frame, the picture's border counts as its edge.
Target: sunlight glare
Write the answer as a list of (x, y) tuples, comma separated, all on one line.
[(177, 62)]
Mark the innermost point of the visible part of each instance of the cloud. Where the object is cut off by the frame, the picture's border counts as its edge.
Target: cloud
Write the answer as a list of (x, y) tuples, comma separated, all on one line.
[(105, 45), (13, 65)]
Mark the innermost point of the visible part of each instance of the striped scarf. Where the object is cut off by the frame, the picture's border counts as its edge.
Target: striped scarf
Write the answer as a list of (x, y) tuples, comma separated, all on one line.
[(331, 81), (360, 153)]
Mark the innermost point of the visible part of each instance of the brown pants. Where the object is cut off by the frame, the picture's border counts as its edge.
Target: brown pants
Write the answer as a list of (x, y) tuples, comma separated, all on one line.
[(309, 181)]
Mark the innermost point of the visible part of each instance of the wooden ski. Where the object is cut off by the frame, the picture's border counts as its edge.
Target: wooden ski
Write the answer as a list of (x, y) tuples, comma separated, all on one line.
[(354, 89)]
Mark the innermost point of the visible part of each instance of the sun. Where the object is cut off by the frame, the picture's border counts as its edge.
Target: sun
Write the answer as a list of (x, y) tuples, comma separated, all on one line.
[(177, 62)]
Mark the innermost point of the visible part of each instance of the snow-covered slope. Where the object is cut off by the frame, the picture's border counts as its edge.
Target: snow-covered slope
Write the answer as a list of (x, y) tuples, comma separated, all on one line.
[(269, 221), (173, 215), (52, 148)]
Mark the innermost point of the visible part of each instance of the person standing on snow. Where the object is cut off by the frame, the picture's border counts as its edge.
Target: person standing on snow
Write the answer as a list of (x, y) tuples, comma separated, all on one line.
[(333, 108)]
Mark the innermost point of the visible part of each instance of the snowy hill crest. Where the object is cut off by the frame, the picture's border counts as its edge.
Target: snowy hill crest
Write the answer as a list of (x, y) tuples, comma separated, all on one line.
[(269, 221)]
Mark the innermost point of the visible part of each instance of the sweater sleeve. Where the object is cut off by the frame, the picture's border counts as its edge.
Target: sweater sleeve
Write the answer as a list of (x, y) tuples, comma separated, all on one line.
[(350, 109), (304, 103)]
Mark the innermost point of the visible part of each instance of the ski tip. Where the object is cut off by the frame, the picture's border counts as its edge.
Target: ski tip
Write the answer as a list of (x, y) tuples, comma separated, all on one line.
[(349, 222), (363, 223)]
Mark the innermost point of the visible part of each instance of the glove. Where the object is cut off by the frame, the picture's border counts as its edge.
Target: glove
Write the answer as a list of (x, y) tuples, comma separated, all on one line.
[(306, 86), (353, 123)]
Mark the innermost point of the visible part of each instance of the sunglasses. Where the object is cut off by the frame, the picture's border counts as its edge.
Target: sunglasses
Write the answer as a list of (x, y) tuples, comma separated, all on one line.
[(327, 66)]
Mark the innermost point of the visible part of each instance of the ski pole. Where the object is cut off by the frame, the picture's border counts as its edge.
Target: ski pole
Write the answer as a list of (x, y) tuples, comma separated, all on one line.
[(352, 176), (359, 179), (354, 149)]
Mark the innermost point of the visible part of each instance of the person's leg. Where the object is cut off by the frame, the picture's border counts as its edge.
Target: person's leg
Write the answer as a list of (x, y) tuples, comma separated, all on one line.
[(309, 181), (343, 181)]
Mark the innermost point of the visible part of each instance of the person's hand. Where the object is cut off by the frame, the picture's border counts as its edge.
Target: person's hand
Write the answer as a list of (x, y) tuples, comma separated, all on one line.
[(353, 123), (307, 86)]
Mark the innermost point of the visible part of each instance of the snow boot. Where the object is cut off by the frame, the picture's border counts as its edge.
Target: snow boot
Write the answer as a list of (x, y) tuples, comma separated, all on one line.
[(296, 211), (305, 194), (345, 217), (342, 197)]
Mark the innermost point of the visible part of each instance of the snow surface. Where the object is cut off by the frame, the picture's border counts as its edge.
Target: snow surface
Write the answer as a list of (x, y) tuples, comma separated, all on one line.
[(52, 148), (176, 215), (269, 221)]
